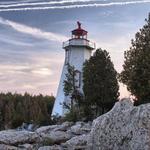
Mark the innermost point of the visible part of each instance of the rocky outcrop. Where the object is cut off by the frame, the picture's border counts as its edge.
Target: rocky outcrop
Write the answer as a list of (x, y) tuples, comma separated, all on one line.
[(125, 127), (12, 137), (68, 135)]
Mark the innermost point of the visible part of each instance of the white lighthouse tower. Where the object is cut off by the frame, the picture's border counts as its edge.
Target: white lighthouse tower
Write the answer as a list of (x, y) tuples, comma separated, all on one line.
[(77, 50)]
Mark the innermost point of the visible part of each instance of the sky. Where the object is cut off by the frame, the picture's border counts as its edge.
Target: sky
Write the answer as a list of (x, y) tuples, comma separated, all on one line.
[(32, 32)]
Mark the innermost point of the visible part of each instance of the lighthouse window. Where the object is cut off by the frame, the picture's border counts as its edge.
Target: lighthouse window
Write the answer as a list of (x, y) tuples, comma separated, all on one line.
[(67, 56), (78, 78)]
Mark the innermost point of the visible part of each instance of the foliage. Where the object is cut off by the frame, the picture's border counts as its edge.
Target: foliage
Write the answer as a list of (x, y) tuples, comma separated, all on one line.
[(71, 116), (100, 84), (16, 109), (72, 94), (136, 68), (69, 83)]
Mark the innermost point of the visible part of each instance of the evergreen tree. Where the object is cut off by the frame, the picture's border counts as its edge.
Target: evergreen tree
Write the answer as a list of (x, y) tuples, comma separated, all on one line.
[(1, 120), (72, 93), (16, 109), (100, 84), (136, 68)]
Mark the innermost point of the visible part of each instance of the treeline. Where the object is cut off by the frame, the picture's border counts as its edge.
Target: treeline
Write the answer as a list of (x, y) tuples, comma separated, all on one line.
[(16, 109)]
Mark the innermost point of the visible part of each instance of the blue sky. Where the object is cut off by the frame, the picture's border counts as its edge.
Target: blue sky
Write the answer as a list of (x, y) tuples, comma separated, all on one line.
[(32, 32)]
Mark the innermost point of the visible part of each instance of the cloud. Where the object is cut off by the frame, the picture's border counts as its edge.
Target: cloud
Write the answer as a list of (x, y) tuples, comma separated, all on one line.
[(35, 32), (42, 71), (14, 42), (45, 3), (24, 77), (40, 74), (28, 86), (75, 6)]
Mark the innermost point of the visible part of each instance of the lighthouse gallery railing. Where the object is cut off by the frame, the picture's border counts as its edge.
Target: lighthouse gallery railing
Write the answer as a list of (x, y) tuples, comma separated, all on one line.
[(79, 42)]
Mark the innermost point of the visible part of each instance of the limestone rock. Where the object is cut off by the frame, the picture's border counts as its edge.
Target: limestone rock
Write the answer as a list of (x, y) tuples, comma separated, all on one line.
[(80, 128), (54, 147), (56, 137), (12, 137), (7, 147), (46, 129), (77, 142), (125, 127), (26, 147), (64, 126)]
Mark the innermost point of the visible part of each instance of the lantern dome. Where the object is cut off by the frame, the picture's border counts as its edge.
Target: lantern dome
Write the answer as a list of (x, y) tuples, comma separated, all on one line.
[(79, 32)]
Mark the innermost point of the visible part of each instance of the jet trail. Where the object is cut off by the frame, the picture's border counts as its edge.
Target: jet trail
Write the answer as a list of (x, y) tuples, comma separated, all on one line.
[(45, 3), (75, 6)]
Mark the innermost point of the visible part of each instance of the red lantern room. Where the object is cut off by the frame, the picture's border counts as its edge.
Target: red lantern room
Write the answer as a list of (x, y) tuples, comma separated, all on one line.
[(79, 39), (79, 33)]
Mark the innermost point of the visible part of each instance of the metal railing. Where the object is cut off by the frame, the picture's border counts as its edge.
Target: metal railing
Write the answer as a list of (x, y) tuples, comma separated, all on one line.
[(79, 42)]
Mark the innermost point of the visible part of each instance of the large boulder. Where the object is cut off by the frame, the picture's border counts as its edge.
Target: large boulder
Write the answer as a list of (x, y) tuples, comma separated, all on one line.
[(12, 137), (125, 127)]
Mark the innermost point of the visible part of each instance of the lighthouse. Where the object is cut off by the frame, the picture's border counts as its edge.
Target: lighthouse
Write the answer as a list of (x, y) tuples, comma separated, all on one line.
[(77, 49)]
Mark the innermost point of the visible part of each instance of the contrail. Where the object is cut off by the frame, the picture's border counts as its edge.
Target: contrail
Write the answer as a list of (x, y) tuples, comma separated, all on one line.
[(46, 3), (15, 2), (75, 6), (35, 32)]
